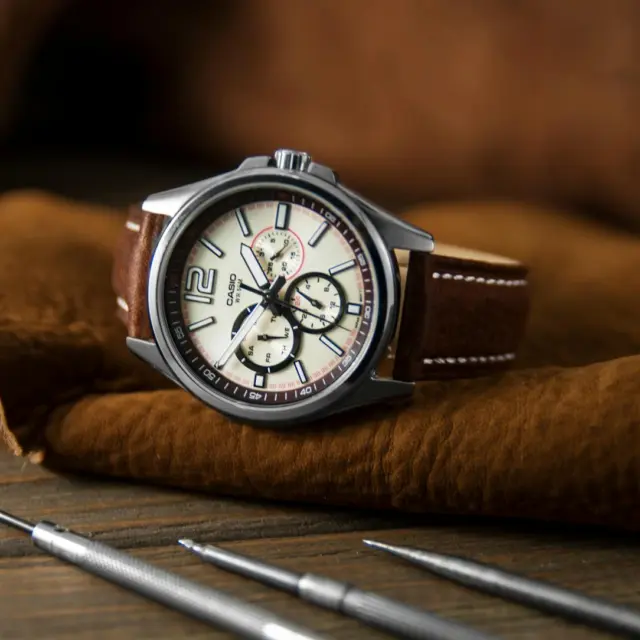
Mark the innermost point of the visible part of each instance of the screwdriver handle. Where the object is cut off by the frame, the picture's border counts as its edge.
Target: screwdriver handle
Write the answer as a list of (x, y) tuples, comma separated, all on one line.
[(191, 598), (377, 611), (404, 620)]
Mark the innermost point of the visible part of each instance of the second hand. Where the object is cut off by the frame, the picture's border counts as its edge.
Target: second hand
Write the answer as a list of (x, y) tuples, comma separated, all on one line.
[(289, 306)]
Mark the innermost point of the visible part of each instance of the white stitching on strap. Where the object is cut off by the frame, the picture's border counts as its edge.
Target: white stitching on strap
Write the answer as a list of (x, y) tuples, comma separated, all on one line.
[(501, 357), (500, 282), (132, 226), (122, 303)]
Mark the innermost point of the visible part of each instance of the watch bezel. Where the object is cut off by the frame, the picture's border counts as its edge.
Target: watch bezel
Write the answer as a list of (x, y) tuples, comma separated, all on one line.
[(382, 263)]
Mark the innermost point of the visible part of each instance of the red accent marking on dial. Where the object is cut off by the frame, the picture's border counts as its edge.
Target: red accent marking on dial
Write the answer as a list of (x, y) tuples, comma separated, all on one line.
[(255, 238), (304, 255), (288, 230)]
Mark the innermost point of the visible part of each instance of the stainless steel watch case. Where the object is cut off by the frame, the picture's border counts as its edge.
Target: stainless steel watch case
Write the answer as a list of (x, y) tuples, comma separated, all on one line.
[(382, 233)]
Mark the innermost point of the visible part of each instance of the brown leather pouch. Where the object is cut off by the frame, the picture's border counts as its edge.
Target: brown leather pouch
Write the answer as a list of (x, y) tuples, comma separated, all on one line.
[(557, 437)]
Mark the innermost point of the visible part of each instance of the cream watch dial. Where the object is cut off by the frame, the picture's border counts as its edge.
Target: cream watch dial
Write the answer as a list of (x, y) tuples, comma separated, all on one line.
[(270, 296)]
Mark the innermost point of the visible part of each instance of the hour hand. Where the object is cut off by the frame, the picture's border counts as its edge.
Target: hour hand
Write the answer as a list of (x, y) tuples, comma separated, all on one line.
[(278, 253), (254, 266)]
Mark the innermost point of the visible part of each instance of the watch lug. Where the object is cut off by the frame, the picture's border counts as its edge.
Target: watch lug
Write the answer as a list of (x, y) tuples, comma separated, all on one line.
[(168, 203), (323, 172), (375, 390), (255, 162), (148, 351), (396, 233)]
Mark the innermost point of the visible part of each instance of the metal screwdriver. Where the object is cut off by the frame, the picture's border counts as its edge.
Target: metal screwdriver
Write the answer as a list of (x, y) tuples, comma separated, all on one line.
[(206, 604), (377, 611), (535, 593)]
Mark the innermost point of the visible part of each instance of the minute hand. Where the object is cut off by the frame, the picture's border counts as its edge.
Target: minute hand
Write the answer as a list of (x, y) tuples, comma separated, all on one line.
[(250, 322)]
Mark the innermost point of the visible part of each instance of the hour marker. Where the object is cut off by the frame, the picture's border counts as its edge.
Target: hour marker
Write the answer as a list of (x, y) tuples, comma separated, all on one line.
[(258, 381), (327, 342), (201, 323), (217, 251), (192, 297), (242, 221), (343, 266), (302, 374), (318, 233), (201, 281), (354, 309), (282, 215)]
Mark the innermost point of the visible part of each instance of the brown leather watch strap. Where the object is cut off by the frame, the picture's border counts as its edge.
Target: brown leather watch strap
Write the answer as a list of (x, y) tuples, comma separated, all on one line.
[(131, 270), (463, 314)]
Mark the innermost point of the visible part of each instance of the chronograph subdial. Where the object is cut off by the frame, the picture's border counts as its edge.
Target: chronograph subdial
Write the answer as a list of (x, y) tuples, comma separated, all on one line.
[(319, 300), (279, 251), (271, 345)]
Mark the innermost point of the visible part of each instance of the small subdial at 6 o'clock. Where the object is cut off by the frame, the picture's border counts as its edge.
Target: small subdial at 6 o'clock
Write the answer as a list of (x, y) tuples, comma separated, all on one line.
[(271, 345), (319, 300), (279, 251)]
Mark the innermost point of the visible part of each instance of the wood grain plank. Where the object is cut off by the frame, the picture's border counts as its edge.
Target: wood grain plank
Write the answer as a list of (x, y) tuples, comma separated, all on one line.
[(136, 515), (41, 597)]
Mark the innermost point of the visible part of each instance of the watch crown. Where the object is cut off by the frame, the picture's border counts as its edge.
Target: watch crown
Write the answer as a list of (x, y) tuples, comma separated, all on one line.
[(291, 160)]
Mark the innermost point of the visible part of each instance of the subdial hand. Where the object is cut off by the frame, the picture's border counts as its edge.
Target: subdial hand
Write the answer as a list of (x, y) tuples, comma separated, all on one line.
[(314, 303), (278, 253), (264, 337), (282, 303)]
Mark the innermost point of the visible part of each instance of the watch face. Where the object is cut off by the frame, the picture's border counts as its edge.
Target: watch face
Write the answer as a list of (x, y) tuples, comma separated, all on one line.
[(270, 296)]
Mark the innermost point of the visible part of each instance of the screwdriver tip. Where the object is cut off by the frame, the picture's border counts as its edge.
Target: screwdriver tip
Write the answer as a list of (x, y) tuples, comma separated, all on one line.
[(186, 543), (407, 553), (374, 544)]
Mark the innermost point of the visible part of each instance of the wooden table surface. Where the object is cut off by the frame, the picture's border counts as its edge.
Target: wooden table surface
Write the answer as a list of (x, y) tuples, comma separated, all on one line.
[(41, 597)]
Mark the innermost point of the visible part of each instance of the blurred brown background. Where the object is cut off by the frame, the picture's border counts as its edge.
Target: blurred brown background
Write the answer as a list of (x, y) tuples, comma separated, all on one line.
[(411, 100), (414, 102)]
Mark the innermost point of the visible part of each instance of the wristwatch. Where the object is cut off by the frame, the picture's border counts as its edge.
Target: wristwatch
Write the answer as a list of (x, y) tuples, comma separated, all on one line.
[(277, 295)]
